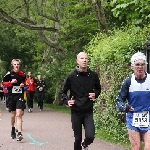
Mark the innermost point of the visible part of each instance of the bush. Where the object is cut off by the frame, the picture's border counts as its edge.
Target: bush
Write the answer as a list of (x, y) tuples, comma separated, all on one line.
[(109, 57)]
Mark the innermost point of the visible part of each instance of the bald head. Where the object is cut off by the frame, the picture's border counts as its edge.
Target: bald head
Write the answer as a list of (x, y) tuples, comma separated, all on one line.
[(82, 54), (82, 61)]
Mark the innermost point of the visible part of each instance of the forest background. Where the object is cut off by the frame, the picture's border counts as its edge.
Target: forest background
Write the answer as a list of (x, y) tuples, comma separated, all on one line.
[(48, 34)]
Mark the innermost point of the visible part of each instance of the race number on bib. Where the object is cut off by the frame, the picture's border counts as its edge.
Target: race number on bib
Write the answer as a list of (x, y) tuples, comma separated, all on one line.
[(16, 89), (141, 119)]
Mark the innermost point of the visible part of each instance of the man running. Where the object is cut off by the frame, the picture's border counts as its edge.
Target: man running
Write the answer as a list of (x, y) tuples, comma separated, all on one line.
[(40, 91), (14, 80), (30, 81)]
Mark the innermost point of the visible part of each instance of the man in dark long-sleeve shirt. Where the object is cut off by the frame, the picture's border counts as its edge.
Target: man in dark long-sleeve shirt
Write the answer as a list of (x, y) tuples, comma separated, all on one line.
[(84, 86)]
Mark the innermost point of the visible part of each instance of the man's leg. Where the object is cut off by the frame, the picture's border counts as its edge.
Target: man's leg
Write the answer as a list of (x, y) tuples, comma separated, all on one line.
[(38, 99), (146, 136), (28, 98), (135, 139), (77, 128), (19, 114), (42, 98), (31, 99), (13, 132), (89, 129)]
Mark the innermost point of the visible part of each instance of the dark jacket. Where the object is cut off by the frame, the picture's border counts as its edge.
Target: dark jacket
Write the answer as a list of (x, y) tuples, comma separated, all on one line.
[(79, 85)]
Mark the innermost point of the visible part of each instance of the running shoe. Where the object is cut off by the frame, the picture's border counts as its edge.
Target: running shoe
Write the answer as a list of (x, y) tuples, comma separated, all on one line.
[(19, 137), (30, 110), (13, 135), (84, 147)]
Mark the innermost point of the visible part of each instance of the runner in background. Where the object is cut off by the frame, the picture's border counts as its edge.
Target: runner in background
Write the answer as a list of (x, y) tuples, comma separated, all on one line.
[(40, 91), (31, 82)]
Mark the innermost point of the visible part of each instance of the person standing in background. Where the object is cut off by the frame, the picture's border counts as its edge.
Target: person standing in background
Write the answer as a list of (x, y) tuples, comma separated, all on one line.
[(40, 91), (30, 81)]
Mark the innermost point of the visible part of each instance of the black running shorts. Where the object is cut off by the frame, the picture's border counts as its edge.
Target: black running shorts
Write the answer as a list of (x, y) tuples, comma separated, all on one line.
[(16, 104)]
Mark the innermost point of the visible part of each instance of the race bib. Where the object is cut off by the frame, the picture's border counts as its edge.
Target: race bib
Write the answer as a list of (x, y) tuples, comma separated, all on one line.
[(16, 89), (141, 119), (41, 89)]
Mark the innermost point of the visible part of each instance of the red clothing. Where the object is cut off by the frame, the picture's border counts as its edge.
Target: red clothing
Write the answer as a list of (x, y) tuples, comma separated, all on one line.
[(5, 90), (31, 83)]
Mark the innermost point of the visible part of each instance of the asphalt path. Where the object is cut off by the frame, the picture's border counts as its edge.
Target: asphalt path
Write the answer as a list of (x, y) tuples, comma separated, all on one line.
[(45, 130)]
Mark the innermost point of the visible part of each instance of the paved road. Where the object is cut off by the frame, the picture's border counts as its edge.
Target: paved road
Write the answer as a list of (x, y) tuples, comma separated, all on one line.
[(46, 130)]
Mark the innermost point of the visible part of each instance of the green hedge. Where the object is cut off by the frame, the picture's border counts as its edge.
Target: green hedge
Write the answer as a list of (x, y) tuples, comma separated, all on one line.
[(110, 56)]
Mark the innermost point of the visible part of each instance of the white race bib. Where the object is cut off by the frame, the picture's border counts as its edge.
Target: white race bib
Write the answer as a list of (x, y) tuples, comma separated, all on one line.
[(141, 119), (16, 89)]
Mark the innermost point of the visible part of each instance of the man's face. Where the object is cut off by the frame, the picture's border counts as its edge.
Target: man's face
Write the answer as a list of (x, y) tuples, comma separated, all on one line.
[(139, 67), (16, 66), (82, 60), (39, 77), (29, 74)]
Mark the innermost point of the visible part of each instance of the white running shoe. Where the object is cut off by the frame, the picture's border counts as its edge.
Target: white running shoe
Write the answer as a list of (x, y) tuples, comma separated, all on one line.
[(84, 147), (19, 137), (30, 110)]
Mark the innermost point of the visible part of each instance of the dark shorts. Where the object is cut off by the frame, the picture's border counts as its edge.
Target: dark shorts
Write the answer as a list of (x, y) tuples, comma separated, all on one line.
[(16, 104)]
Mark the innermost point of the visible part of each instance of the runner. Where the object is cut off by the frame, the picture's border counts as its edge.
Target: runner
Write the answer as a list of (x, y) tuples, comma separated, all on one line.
[(84, 86), (135, 91), (40, 91), (14, 80), (30, 81)]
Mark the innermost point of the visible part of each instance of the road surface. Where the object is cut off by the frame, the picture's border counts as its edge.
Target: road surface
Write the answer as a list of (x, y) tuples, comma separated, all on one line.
[(46, 130)]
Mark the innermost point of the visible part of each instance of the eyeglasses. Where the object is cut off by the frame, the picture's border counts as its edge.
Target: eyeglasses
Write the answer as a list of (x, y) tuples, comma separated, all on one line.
[(137, 65)]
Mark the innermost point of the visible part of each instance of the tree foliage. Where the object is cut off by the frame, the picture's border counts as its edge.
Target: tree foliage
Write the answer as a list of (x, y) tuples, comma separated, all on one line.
[(110, 57), (135, 11)]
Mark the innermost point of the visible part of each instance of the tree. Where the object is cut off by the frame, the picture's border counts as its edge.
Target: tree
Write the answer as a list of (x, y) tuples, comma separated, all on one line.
[(134, 11), (64, 25), (17, 42)]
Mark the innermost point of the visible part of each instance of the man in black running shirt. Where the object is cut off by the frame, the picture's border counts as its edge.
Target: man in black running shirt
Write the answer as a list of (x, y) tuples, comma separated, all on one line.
[(15, 80)]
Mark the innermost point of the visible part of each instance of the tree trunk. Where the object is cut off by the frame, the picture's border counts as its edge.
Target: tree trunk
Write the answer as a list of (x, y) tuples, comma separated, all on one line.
[(58, 100)]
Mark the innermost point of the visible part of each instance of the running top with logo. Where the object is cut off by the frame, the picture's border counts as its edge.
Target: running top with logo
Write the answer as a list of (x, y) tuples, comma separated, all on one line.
[(14, 89), (137, 93), (31, 84), (40, 87)]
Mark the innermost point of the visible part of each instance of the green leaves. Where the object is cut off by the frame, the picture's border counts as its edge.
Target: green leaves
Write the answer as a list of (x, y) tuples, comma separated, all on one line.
[(134, 11), (110, 57)]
